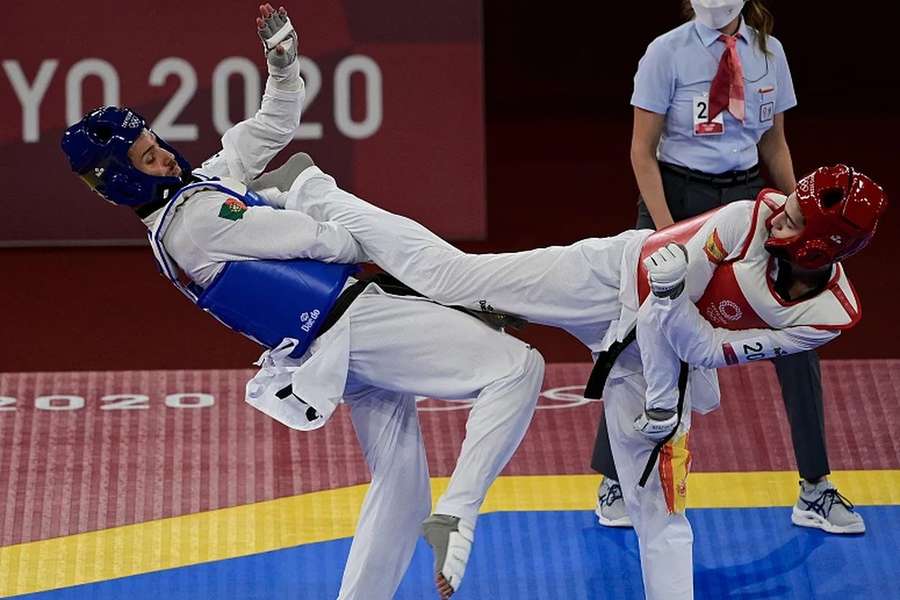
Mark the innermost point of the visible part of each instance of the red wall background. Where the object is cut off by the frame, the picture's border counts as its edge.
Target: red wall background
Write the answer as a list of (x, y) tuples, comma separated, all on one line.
[(557, 128), (387, 85)]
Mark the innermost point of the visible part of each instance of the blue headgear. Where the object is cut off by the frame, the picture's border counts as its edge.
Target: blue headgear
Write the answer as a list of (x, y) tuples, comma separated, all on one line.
[(97, 149)]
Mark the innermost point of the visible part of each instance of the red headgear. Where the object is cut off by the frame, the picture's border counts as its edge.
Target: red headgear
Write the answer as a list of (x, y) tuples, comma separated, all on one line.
[(840, 208)]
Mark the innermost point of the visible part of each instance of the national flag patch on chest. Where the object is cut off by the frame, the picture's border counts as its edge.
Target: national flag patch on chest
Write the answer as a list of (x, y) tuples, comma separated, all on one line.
[(232, 209), (715, 250)]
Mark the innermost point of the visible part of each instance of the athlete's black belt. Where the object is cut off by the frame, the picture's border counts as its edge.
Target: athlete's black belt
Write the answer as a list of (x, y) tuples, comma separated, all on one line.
[(727, 179), (604, 364), (343, 302), (597, 381), (386, 282), (393, 286)]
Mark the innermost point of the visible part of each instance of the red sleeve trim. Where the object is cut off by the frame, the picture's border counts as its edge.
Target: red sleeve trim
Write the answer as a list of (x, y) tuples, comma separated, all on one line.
[(730, 355), (834, 287), (753, 225), (764, 196)]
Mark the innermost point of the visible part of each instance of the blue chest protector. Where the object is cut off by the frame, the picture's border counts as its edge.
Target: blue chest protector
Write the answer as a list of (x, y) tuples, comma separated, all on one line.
[(266, 300)]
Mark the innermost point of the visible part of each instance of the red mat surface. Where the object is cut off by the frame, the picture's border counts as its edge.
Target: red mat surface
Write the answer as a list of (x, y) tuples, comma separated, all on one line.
[(151, 444)]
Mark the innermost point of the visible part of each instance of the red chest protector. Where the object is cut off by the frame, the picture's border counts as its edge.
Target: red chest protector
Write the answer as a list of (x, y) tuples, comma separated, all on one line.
[(740, 294)]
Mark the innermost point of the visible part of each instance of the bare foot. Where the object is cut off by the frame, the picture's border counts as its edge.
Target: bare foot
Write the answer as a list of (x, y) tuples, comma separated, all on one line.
[(443, 587)]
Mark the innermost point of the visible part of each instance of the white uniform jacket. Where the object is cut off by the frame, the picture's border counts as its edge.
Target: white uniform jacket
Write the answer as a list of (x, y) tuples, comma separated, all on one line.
[(208, 229), (730, 312)]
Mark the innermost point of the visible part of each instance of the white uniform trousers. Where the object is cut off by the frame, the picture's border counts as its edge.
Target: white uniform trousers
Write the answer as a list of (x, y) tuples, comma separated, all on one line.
[(576, 288), (402, 347), (573, 287), (664, 534)]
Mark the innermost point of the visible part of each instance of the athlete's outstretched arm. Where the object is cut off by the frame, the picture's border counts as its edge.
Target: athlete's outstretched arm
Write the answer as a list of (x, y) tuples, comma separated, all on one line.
[(661, 364), (697, 342), (249, 146), (670, 310), (262, 232)]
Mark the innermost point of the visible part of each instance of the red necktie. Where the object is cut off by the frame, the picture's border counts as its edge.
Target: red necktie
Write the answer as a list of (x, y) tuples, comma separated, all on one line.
[(727, 90)]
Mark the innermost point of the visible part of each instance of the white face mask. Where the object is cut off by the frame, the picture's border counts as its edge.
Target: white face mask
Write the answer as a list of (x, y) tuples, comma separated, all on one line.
[(716, 14)]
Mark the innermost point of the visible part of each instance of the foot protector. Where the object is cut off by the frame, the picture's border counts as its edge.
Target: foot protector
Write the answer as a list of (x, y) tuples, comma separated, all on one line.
[(451, 540)]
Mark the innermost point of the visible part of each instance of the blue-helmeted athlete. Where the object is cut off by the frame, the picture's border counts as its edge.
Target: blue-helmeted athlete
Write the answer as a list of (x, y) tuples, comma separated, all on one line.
[(332, 336)]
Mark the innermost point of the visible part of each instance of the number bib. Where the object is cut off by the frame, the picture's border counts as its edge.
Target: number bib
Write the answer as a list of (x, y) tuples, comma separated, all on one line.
[(702, 124)]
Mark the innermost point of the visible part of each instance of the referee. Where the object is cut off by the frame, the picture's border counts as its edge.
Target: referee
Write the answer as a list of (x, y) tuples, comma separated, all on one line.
[(709, 101)]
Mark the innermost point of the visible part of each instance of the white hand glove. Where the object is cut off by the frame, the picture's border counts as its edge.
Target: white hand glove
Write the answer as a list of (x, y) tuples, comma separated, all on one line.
[(278, 36), (655, 424), (666, 269)]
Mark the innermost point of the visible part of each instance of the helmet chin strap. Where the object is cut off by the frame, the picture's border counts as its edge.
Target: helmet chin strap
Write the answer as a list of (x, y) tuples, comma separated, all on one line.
[(164, 193), (789, 273)]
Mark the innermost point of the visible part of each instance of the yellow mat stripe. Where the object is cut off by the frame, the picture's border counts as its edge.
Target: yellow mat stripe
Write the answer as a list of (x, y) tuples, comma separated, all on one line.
[(328, 515)]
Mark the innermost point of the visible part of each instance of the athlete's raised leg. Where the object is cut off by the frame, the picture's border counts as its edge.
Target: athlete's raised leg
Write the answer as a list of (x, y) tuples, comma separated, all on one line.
[(566, 286)]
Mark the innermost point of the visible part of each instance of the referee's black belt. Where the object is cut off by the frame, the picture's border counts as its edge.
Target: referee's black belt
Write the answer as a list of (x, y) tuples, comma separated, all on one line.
[(726, 179)]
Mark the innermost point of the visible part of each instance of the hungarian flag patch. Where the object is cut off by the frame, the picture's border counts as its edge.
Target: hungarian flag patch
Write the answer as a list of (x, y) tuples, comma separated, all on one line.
[(232, 209), (714, 248)]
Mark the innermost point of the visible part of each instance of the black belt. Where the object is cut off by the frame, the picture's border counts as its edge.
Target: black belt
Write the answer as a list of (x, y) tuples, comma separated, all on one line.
[(392, 285), (343, 302), (654, 454), (597, 381), (727, 179), (386, 282)]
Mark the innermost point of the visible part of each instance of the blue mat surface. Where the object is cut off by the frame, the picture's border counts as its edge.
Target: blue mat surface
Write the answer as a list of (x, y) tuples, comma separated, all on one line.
[(745, 554)]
